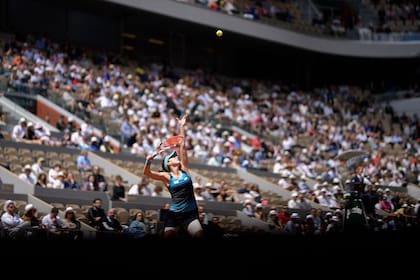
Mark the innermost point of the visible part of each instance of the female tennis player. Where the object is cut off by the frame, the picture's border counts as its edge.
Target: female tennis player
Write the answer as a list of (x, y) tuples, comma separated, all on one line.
[(183, 211)]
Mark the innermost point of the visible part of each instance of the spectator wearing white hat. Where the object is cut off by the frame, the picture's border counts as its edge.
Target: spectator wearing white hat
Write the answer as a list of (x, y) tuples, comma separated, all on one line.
[(30, 136), (94, 144), (248, 208), (293, 201), (27, 175), (318, 183), (59, 181), (198, 189), (274, 224), (294, 225), (19, 130), (323, 198), (42, 133), (10, 217), (279, 165), (207, 192), (259, 212), (13, 225), (283, 182), (31, 223), (106, 146), (70, 225), (332, 201), (334, 226)]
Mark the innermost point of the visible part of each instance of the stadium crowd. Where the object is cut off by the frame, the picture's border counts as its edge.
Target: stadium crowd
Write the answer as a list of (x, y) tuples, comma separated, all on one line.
[(291, 132)]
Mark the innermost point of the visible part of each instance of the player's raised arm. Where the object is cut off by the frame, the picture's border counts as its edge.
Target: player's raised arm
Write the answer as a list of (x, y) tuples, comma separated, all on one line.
[(159, 176)]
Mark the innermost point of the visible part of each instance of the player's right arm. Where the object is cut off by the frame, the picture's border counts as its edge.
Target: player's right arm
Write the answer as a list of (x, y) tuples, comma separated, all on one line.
[(159, 176)]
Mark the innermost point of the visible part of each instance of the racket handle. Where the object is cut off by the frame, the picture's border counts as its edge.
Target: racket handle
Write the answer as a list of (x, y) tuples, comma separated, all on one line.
[(161, 150)]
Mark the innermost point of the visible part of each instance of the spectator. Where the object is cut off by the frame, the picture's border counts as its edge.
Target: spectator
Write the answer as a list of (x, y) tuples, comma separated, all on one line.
[(59, 182), (70, 182), (10, 219), (89, 183), (83, 162), (274, 224), (96, 214), (52, 223), (259, 212), (53, 172), (38, 167), (100, 183), (60, 124), (138, 229), (294, 225), (212, 230), (32, 224), (41, 181), (27, 175), (71, 226), (94, 144), (118, 190), (248, 209), (143, 187), (19, 130), (106, 146), (158, 191), (110, 226)]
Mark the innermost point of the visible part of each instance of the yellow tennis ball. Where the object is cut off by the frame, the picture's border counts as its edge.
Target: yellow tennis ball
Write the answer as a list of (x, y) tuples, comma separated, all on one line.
[(219, 33)]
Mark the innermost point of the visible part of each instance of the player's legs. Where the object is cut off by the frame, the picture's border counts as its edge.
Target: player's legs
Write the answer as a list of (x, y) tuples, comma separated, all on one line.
[(195, 229), (169, 232)]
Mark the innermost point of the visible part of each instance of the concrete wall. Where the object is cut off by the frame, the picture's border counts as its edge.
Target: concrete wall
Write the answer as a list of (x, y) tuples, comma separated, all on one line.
[(19, 186), (342, 47)]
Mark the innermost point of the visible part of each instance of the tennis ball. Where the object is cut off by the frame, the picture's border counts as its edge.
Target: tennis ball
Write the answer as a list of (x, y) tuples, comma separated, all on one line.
[(219, 33)]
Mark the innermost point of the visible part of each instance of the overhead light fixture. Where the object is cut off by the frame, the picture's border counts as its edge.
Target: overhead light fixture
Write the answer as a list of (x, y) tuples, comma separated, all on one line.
[(128, 35), (155, 41), (128, 47)]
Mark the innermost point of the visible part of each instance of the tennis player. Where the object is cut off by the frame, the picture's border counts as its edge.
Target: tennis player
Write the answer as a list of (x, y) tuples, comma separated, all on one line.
[(183, 212)]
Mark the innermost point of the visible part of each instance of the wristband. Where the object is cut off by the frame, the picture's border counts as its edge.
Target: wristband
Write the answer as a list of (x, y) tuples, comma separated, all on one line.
[(148, 162)]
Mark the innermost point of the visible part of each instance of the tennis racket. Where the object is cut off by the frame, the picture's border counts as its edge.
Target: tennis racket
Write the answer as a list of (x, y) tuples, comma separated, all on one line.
[(169, 143)]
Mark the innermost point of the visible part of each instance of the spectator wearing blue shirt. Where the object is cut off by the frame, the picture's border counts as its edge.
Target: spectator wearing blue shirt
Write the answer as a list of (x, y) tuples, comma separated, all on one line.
[(138, 228), (83, 162)]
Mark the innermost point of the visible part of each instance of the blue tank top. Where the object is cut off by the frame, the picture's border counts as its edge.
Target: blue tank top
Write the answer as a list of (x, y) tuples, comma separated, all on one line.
[(182, 193)]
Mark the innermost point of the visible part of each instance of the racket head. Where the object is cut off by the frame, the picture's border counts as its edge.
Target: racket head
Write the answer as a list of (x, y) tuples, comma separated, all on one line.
[(172, 141)]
